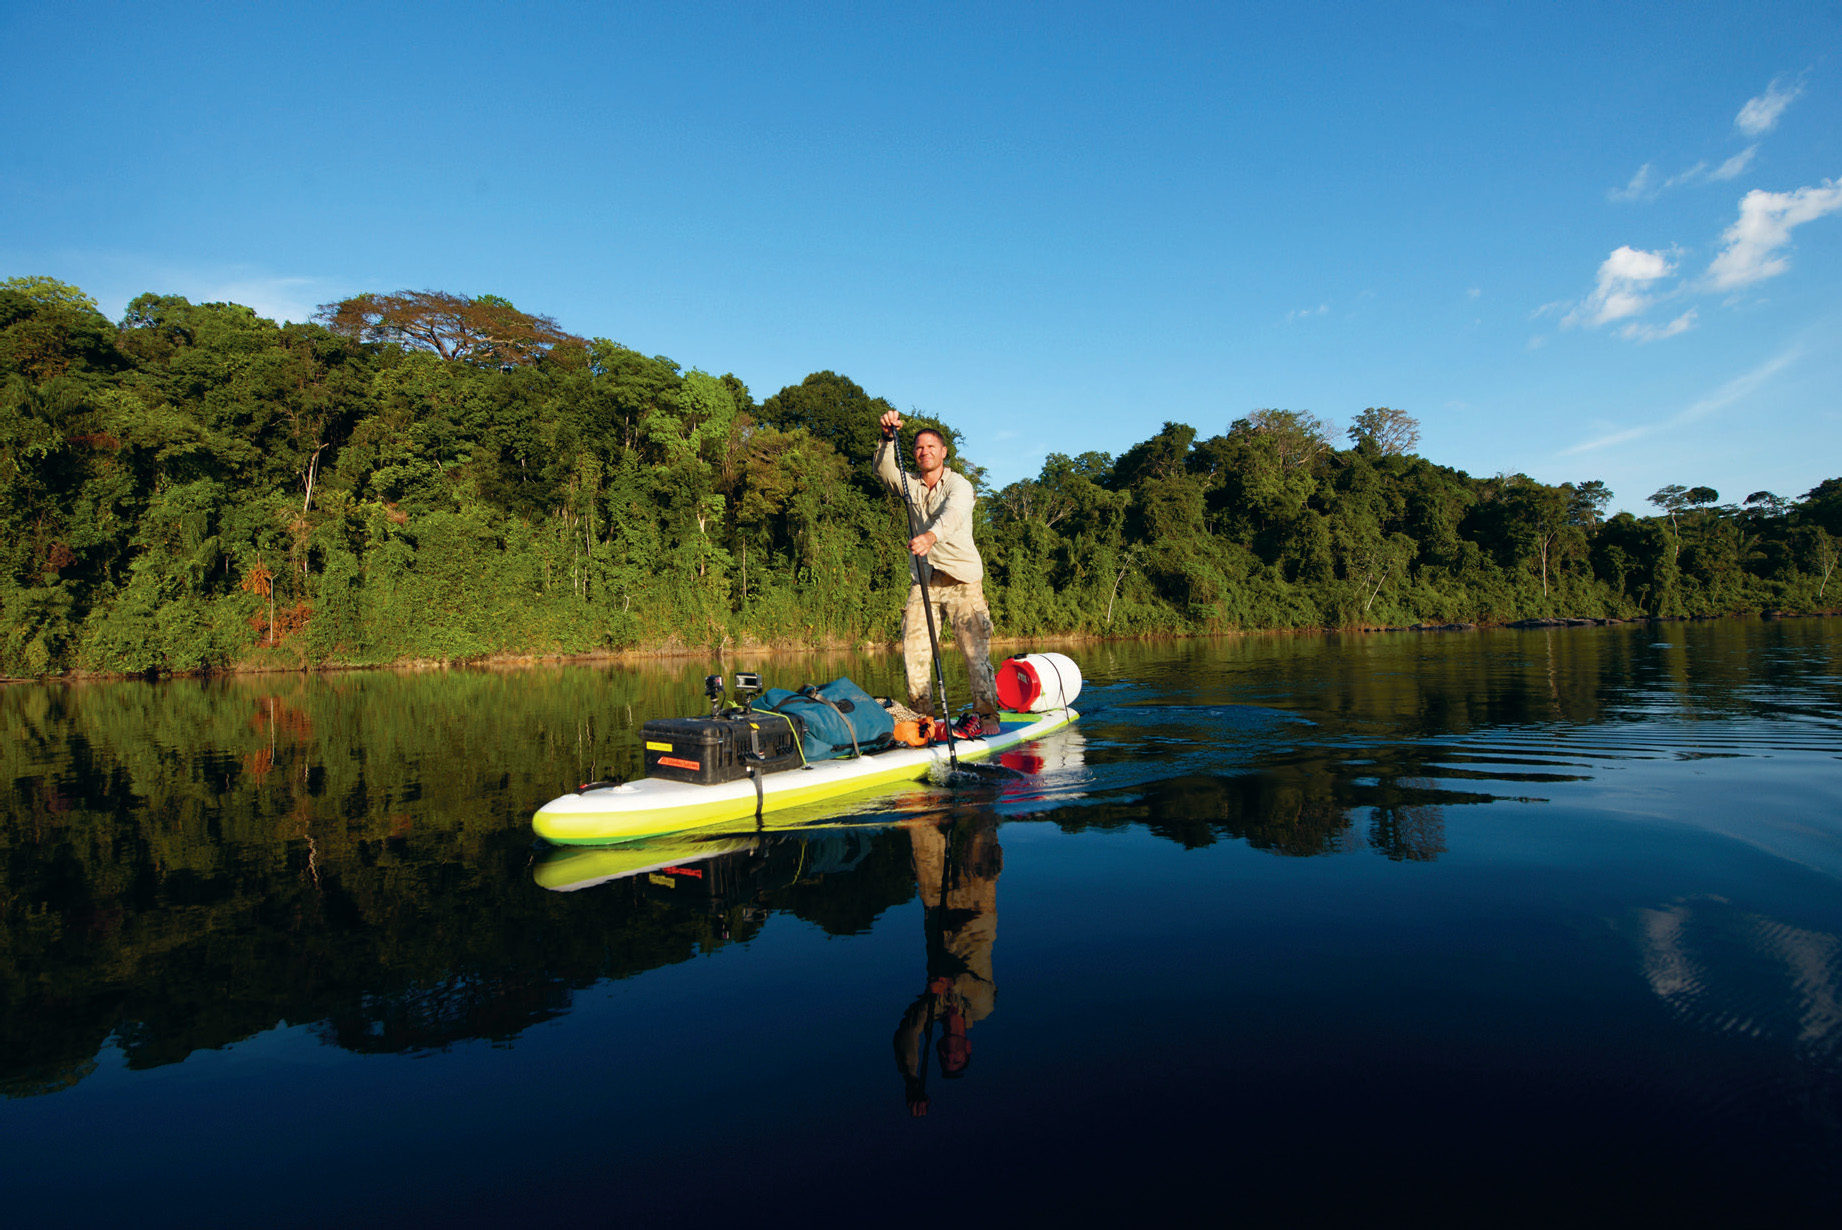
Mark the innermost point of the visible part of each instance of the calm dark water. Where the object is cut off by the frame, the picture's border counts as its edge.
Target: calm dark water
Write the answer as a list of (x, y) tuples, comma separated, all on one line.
[(1488, 927)]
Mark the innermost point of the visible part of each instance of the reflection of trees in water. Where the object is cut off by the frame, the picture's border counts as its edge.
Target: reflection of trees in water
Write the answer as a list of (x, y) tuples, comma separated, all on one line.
[(1297, 810), (393, 950), (1725, 969), (186, 864), (456, 1008), (1413, 685), (1407, 831)]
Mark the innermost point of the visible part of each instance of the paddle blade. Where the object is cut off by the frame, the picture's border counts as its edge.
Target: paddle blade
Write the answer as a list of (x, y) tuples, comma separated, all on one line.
[(971, 775)]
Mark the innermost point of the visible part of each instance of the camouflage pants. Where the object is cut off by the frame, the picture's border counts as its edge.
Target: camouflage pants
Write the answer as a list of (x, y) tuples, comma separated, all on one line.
[(959, 612)]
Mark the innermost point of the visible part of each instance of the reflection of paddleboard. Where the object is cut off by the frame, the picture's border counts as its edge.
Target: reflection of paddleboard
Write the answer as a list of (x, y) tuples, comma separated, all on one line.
[(567, 870), (653, 806)]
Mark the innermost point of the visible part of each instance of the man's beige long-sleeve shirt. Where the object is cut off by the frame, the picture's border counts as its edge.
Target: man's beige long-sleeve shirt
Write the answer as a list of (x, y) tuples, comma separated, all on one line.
[(945, 509)]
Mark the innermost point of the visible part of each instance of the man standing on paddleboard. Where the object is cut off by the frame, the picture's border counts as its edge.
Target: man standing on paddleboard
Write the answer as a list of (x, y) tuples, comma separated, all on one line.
[(942, 508)]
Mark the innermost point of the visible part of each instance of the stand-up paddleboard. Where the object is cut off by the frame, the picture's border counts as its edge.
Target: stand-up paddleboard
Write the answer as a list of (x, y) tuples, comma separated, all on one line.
[(653, 807)]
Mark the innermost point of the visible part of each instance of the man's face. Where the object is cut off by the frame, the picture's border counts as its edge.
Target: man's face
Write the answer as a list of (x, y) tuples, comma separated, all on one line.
[(930, 453)]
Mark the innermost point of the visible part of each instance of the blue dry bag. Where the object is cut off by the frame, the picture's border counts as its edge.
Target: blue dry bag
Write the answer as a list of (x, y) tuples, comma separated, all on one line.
[(830, 727)]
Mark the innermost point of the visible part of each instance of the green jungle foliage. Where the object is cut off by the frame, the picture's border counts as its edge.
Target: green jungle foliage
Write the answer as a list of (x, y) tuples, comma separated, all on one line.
[(196, 487)]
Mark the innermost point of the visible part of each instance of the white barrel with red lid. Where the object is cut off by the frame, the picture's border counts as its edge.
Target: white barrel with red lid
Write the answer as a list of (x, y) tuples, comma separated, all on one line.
[(1037, 682)]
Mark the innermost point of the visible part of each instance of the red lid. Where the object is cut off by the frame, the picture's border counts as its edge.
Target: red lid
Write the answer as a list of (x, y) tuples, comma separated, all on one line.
[(1018, 686)]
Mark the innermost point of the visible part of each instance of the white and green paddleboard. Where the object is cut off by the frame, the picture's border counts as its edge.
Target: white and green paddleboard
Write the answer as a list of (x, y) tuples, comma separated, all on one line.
[(652, 806)]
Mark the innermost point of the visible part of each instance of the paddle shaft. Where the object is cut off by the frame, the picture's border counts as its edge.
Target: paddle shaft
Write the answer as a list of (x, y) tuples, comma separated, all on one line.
[(927, 605)]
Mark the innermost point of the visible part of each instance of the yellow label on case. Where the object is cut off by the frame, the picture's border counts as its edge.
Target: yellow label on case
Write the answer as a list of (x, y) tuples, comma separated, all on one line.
[(657, 747)]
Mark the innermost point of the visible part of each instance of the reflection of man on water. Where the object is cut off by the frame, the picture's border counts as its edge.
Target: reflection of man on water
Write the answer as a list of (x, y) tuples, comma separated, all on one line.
[(956, 870)]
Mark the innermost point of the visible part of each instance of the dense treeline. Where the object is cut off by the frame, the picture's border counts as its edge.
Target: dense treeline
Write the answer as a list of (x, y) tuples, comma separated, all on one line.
[(432, 476)]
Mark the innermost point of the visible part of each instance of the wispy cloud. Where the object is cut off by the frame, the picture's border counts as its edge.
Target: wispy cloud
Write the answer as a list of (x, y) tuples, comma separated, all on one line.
[(1639, 189), (1735, 166), (1760, 115), (1607, 441), (1741, 386), (1755, 243), (1736, 389), (1622, 288), (1638, 331), (1645, 186), (1307, 313)]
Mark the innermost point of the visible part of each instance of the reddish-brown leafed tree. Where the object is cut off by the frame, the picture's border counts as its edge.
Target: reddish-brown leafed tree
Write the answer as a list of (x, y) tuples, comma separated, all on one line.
[(481, 329)]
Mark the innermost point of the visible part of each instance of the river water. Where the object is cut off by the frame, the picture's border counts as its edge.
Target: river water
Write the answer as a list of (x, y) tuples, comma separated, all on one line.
[(1498, 926)]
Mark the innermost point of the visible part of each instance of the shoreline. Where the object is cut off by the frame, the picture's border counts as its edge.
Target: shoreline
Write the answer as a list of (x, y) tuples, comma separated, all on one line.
[(725, 651)]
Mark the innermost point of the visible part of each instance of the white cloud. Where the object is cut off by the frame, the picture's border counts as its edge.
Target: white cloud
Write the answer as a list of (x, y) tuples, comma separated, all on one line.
[(1621, 290), (1631, 280), (1760, 115), (1735, 166), (1637, 331), (1475, 292), (1599, 442), (1306, 313), (1637, 190), (1754, 242), (1643, 185), (1741, 386), (1693, 174)]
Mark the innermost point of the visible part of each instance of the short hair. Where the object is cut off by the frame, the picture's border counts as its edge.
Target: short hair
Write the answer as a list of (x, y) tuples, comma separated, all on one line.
[(938, 435)]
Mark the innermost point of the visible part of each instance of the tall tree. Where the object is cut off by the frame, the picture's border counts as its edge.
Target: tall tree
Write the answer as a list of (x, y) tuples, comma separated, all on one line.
[(1675, 499), (1823, 505), (1165, 455), (836, 409), (1385, 431), (484, 329), (1299, 436), (1586, 503)]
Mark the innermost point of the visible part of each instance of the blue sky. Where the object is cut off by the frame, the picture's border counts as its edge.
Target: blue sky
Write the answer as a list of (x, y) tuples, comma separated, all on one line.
[(1574, 240)]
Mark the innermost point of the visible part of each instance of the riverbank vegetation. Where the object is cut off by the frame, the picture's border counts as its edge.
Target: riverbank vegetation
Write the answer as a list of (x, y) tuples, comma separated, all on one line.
[(429, 476)]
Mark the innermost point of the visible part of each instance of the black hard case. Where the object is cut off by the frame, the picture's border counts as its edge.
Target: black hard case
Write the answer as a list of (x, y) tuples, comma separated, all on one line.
[(720, 748)]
